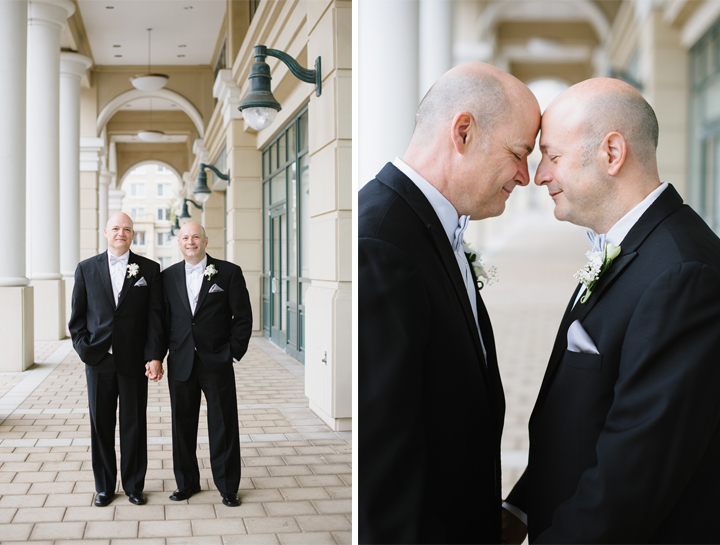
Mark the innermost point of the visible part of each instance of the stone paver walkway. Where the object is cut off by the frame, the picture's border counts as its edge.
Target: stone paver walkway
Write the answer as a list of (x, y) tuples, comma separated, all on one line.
[(536, 257), (296, 478)]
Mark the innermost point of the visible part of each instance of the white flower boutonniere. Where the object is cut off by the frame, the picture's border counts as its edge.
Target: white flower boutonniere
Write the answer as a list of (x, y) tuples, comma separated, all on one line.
[(490, 275), (210, 271), (132, 269), (598, 264)]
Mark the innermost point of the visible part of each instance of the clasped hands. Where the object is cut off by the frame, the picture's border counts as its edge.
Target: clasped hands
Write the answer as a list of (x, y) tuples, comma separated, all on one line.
[(154, 370)]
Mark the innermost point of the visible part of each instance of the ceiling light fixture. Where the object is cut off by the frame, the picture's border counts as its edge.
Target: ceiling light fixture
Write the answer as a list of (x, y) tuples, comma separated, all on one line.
[(150, 135), (149, 81)]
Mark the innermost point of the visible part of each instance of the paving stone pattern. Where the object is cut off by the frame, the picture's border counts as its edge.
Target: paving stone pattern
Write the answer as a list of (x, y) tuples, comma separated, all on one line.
[(296, 482)]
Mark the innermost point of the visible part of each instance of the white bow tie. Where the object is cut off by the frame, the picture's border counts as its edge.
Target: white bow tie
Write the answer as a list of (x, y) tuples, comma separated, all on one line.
[(596, 241), (193, 268), (459, 230), (114, 260)]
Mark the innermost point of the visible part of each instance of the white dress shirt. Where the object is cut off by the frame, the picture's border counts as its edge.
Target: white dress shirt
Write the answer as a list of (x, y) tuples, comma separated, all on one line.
[(118, 269), (193, 281), (118, 272), (449, 219)]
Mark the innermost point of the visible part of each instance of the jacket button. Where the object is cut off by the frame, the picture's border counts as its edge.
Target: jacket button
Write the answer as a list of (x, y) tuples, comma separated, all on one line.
[(193, 323)]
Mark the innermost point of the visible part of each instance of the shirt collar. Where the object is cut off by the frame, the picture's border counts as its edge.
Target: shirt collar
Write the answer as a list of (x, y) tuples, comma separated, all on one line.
[(444, 209), (202, 264), (617, 232), (125, 257)]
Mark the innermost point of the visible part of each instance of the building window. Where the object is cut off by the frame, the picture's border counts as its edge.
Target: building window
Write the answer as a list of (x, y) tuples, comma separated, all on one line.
[(165, 262), (139, 238), (286, 230), (220, 62), (704, 148), (163, 239), (163, 214), (253, 8), (164, 190), (163, 170), (137, 189), (137, 213)]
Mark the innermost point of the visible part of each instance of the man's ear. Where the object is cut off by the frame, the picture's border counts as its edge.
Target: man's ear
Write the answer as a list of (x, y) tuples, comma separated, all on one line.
[(613, 151), (461, 128)]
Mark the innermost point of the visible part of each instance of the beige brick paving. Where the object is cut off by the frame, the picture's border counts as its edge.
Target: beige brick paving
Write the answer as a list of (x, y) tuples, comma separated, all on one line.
[(536, 257), (296, 481)]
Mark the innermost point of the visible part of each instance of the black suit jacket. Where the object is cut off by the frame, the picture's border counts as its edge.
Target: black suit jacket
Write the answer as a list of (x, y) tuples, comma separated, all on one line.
[(431, 410), (625, 444), (134, 328), (221, 327)]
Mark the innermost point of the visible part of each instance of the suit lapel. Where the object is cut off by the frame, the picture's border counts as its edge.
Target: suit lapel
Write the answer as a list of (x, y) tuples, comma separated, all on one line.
[(393, 178), (129, 280), (104, 272), (205, 286), (667, 203), (181, 285)]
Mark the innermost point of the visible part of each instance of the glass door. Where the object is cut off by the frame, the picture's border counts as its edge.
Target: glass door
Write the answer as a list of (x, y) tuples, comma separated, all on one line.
[(278, 274)]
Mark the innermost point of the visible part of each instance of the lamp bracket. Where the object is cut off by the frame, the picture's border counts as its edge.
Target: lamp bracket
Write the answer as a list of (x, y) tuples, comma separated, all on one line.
[(196, 205), (303, 74), (219, 174)]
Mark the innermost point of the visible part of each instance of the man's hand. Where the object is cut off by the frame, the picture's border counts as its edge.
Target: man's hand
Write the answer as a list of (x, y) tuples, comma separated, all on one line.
[(154, 370), (513, 529)]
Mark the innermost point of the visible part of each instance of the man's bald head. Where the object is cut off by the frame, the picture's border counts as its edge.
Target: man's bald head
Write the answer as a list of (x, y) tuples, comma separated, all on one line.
[(481, 89), (478, 91), (192, 227), (605, 105), (117, 218)]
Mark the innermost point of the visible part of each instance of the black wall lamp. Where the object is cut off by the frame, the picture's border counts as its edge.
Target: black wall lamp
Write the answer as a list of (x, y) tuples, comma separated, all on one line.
[(185, 214), (202, 191), (175, 227), (260, 107)]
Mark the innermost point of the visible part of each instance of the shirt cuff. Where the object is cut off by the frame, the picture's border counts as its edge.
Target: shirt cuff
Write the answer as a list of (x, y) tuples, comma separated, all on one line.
[(515, 511)]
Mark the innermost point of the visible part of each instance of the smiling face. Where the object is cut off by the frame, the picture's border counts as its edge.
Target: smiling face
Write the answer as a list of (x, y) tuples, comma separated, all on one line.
[(119, 233), (571, 173), (489, 172), (192, 242)]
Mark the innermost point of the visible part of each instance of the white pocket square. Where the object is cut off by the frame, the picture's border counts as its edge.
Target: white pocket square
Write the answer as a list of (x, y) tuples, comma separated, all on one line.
[(140, 283), (215, 289), (579, 341)]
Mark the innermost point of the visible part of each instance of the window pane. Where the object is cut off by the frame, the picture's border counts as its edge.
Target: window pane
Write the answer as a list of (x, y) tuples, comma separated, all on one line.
[(277, 189), (266, 230), (291, 142), (303, 130), (282, 150), (292, 224), (304, 188)]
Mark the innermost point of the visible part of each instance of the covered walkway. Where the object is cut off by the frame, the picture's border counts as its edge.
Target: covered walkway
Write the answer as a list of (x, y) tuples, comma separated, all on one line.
[(296, 476)]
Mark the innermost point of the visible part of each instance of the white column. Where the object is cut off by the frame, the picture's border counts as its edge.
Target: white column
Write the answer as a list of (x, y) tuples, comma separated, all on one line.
[(387, 82), (16, 298), (46, 19), (72, 70), (435, 42), (103, 200)]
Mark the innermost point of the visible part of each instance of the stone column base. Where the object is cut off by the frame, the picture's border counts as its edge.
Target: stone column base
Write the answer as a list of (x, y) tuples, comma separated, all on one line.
[(16, 333), (50, 322), (328, 354)]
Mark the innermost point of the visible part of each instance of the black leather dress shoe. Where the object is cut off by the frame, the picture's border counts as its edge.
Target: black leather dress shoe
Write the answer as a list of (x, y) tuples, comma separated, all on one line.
[(231, 500), (103, 498), (183, 493), (138, 498)]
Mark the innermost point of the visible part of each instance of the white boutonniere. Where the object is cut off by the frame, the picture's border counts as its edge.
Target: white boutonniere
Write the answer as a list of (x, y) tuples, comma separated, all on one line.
[(210, 271), (132, 269), (490, 275), (598, 264)]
